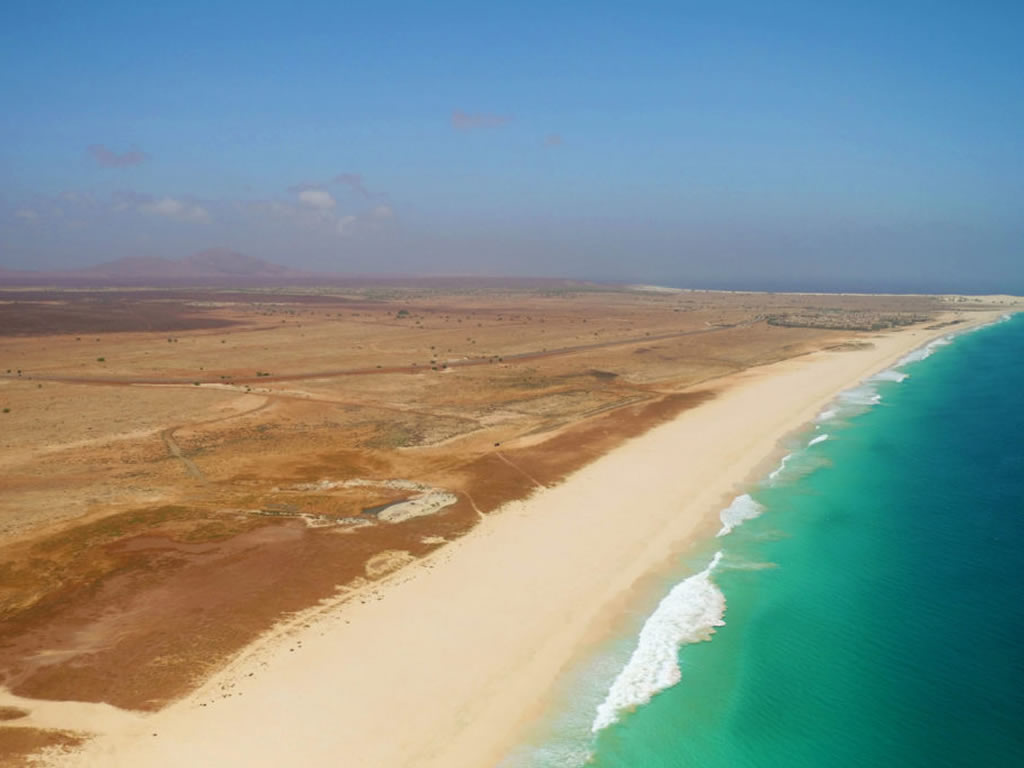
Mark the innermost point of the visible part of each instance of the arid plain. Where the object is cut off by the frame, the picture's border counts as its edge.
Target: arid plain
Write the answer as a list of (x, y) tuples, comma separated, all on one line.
[(183, 469)]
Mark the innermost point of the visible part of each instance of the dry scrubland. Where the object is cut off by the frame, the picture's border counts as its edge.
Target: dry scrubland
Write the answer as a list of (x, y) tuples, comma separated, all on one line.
[(182, 469)]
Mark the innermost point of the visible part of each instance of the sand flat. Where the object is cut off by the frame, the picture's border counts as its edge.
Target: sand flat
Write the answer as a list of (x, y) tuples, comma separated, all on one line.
[(452, 657)]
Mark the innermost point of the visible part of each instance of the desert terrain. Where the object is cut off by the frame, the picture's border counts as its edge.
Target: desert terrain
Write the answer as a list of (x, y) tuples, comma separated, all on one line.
[(183, 469)]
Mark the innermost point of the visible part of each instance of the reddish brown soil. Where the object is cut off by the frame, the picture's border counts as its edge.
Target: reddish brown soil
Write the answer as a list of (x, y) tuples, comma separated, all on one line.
[(170, 611), (21, 319), (18, 745), (501, 475)]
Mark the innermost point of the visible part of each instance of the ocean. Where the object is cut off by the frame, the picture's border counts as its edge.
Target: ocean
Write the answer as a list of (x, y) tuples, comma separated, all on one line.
[(863, 605)]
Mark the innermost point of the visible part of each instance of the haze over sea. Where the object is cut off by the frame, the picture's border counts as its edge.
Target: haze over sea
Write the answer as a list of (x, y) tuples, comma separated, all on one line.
[(863, 604)]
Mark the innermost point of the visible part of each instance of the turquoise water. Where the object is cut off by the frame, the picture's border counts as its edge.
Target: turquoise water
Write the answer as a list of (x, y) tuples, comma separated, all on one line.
[(874, 610)]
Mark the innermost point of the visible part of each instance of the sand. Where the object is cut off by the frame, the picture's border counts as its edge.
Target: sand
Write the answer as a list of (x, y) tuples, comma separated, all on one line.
[(446, 661)]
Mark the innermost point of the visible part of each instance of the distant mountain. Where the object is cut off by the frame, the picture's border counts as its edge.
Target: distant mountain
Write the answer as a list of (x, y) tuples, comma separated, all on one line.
[(13, 276), (217, 266), (224, 262), (222, 268)]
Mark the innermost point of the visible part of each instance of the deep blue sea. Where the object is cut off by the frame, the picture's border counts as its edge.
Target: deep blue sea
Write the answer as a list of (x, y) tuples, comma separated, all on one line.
[(863, 607)]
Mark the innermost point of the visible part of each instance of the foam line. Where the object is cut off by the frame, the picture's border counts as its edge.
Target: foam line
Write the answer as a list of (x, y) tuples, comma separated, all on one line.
[(778, 470), (741, 509), (687, 614)]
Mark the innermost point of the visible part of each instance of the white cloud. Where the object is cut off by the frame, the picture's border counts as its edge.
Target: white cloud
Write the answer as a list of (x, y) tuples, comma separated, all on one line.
[(270, 208), (373, 219), (175, 209), (26, 214), (354, 181), (317, 209), (320, 199), (346, 224)]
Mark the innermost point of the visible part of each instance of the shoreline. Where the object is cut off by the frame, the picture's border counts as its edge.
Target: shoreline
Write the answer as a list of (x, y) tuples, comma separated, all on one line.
[(502, 610)]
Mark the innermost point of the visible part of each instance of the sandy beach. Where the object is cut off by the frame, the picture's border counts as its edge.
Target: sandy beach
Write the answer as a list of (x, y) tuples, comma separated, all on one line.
[(445, 662)]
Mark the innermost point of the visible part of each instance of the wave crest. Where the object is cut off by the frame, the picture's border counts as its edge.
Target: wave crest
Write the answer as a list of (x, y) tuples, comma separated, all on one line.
[(741, 509), (923, 353), (687, 614), (890, 374)]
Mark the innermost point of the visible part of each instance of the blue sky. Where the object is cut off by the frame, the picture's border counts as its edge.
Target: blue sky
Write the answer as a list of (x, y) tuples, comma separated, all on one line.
[(800, 145)]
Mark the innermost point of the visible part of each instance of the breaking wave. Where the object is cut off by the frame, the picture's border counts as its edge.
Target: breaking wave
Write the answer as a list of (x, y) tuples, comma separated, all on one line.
[(828, 414), (692, 610), (687, 614), (775, 472), (865, 395), (741, 509), (890, 375), (923, 353)]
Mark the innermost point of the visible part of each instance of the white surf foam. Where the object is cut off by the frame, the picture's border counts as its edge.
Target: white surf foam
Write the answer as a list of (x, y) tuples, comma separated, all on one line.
[(929, 349), (777, 471), (866, 395), (828, 414), (1001, 319), (819, 439), (890, 375), (863, 394), (741, 509), (687, 614), (923, 353)]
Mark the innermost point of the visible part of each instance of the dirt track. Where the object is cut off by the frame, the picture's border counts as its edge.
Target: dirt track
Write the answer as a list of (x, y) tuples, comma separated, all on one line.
[(377, 370)]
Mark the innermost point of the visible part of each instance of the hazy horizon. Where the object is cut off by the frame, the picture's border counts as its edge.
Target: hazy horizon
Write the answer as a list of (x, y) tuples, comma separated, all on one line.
[(867, 147)]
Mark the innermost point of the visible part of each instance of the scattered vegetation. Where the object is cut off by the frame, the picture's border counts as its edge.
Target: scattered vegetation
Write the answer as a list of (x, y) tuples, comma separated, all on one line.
[(844, 320)]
